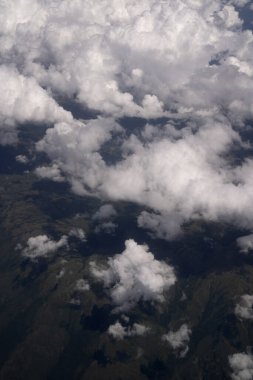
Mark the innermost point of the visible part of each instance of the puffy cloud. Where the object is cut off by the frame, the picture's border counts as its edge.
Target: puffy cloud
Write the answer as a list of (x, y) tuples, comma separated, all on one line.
[(50, 172), (22, 159), (119, 332), (78, 233), (127, 59), (42, 245), (134, 275), (244, 309), (245, 243), (104, 217), (242, 365), (23, 100), (74, 149), (179, 339), (105, 212), (82, 285)]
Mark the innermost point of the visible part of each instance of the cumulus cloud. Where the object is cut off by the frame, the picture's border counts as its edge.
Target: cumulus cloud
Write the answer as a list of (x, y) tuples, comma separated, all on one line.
[(179, 339), (23, 100), (50, 172), (82, 285), (78, 233), (242, 366), (245, 243), (119, 332), (134, 275), (105, 212), (42, 246), (22, 159), (244, 309), (126, 59), (104, 217)]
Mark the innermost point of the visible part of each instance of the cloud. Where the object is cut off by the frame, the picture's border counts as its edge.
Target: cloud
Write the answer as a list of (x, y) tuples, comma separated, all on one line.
[(50, 172), (105, 212), (82, 285), (78, 233), (42, 246), (74, 150), (23, 100), (22, 159), (124, 60), (119, 332), (245, 243), (179, 339), (134, 275), (104, 217), (244, 308), (242, 366)]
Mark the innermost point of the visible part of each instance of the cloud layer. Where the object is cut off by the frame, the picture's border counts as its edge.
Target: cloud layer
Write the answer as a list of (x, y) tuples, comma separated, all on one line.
[(188, 62)]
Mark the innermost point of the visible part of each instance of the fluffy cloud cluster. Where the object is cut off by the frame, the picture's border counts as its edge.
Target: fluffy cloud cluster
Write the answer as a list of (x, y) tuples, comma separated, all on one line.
[(42, 245), (244, 309), (179, 339), (134, 275), (129, 58), (242, 366), (245, 243), (118, 331)]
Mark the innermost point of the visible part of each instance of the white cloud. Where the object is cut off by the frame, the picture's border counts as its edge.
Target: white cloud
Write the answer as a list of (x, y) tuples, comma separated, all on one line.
[(82, 285), (104, 217), (127, 59), (179, 339), (119, 332), (242, 366), (23, 100), (244, 309), (245, 243), (42, 245), (78, 233), (50, 172), (22, 159), (134, 275), (105, 212)]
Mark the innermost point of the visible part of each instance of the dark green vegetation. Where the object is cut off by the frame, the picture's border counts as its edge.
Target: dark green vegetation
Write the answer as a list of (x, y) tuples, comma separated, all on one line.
[(44, 335)]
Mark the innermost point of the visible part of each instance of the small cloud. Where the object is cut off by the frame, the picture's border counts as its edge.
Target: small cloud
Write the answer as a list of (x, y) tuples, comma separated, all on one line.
[(50, 172), (134, 275), (22, 159), (105, 212), (179, 339), (82, 285), (78, 233), (104, 217), (60, 274), (42, 245), (245, 243), (107, 227), (119, 332), (244, 309), (242, 366)]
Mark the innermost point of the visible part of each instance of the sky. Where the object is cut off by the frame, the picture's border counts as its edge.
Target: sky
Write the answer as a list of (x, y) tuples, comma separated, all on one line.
[(184, 67)]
